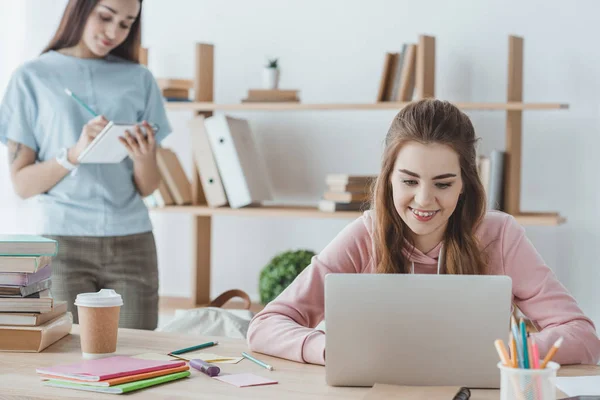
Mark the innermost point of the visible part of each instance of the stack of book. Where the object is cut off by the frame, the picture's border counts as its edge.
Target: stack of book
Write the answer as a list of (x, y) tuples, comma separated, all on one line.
[(174, 186), (114, 375), (271, 96), (30, 320), (347, 192), (175, 89)]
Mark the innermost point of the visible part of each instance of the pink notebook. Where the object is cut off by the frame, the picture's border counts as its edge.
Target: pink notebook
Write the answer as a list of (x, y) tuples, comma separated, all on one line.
[(108, 368)]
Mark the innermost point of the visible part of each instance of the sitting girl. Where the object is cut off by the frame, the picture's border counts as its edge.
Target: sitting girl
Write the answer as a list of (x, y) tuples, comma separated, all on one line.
[(428, 203)]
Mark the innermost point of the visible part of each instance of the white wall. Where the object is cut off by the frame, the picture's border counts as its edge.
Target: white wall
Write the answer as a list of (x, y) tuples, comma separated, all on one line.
[(333, 52)]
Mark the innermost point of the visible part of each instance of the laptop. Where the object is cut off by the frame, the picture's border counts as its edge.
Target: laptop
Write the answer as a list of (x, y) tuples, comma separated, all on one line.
[(418, 330)]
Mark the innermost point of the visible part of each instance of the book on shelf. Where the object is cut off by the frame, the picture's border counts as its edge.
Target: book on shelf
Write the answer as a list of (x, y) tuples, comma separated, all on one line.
[(346, 192), (34, 339), (241, 167), (333, 206), (180, 94), (397, 82), (346, 197), (174, 176), (25, 264), (348, 179), (205, 163), (385, 83), (175, 84), (491, 173), (27, 245), (271, 95), (25, 278), (33, 318)]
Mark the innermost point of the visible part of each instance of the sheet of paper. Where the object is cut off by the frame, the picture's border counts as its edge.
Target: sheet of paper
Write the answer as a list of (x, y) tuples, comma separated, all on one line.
[(210, 357), (388, 392), (244, 380), (579, 385), (155, 356)]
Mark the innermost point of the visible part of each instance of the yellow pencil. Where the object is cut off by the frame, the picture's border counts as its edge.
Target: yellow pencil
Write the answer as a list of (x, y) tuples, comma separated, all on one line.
[(551, 353), (501, 349), (513, 351)]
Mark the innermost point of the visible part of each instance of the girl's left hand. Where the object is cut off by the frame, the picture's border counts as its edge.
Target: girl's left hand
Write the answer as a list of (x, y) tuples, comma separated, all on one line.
[(140, 148)]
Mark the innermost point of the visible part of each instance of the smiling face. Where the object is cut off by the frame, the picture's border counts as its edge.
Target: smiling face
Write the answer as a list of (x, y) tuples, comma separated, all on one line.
[(426, 185), (108, 26)]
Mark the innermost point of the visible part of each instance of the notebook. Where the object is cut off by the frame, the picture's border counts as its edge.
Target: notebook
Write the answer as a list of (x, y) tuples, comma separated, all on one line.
[(108, 368), (23, 264), (33, 339), (119, 389), (27, 245), (33, 318), (106, 147), (118, 381)]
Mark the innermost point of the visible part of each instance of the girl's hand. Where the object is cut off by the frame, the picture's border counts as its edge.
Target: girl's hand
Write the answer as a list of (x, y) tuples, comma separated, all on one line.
[(141, 149), (88, 133)]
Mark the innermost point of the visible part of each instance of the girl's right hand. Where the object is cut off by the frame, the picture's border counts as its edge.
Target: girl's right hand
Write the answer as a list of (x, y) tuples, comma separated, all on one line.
[(88, 133)]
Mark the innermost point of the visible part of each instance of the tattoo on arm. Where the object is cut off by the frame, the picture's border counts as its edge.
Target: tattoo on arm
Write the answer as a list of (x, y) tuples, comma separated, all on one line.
[(14, 149)]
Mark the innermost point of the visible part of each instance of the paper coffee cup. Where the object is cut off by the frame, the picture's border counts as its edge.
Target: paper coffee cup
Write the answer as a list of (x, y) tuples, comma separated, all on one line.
[(98, 322)]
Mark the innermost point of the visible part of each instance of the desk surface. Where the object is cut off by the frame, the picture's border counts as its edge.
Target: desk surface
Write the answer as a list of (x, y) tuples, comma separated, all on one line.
[(296, 381)]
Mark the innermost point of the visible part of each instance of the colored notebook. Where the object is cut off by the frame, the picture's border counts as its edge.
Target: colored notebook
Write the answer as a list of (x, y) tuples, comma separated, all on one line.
[(118, 381), (108, 368), (27, 245), (119, 389)]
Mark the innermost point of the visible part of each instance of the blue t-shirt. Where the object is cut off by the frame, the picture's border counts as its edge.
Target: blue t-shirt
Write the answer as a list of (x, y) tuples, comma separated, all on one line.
[(98, 199)]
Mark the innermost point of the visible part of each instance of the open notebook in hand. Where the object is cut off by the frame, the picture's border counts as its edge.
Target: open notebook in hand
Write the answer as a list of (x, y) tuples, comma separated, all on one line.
[(106, 147)]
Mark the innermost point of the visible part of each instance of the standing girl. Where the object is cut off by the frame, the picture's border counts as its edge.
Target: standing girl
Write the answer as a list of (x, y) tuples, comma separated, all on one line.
[(94, 211)]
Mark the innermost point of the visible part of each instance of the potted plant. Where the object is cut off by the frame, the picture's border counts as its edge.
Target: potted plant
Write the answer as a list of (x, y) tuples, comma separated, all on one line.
[(271, 74), (281, 271)]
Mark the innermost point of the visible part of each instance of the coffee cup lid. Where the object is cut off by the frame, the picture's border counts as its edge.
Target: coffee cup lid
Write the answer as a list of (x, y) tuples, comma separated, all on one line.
[(103, 298)]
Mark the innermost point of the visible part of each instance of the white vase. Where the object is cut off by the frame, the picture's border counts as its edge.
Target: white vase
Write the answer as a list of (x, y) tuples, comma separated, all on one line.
[(270, 78)]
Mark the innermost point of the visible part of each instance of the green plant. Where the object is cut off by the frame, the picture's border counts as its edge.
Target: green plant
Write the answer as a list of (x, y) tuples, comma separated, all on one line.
[(281, 271), (272, 63)]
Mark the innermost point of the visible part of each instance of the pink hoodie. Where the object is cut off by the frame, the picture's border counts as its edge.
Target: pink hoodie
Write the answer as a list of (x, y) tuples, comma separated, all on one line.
[(285, 328)]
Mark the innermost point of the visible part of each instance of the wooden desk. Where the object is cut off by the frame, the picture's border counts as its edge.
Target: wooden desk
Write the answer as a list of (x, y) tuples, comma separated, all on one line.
[(296, 381)]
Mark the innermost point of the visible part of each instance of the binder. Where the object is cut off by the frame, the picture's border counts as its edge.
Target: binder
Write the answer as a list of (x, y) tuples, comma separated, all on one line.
[(242, 169), (206, 164)]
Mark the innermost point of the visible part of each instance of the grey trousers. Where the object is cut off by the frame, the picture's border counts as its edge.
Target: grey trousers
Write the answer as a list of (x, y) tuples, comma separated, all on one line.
[(127, 264)]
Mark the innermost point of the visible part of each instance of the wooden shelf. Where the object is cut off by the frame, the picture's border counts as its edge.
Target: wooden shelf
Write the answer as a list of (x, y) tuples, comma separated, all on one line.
[(208, 106), (548, 219)]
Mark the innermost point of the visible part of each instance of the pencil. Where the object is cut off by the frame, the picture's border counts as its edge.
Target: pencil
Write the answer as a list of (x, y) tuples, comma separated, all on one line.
[(513, 351), (81, 102), (536, 353), (551, 353), (198, 347), (529, 352), (501, 349), (516, 337), (262, 364)]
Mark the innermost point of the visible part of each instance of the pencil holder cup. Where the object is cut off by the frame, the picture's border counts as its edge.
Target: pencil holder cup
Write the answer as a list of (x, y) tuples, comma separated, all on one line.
[(528, 384)]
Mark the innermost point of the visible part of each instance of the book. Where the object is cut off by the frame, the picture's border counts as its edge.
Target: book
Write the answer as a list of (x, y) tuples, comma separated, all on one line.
[(241, 167), (350, 187), (27, 264), (27, 245), (346, 197), (107, 368), (271, 95), (40, 302), (33, 339), (408, 75), (397, 74), (332, 206), (121, 380), (172, 83), (348, 179), (210, 179), (23, 291), (385, 83), (119, 389), (24, 278), (496, 182), (174, 176), (176, 93), (33, 319)]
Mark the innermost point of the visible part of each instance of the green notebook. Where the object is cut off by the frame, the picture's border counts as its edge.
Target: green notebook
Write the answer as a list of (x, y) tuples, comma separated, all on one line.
[(27, 245), (118, 389)]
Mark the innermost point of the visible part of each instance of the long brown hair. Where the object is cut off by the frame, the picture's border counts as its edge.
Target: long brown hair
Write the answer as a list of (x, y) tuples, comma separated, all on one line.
[(70, 30), (431, 121)]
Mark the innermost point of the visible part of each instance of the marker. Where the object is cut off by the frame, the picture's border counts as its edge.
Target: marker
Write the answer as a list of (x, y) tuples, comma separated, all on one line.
[(209, 369), (551, 353), (262, 364), (198, 347)]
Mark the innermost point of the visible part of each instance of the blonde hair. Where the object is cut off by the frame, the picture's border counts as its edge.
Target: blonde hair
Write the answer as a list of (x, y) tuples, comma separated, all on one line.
[(431, 121)]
